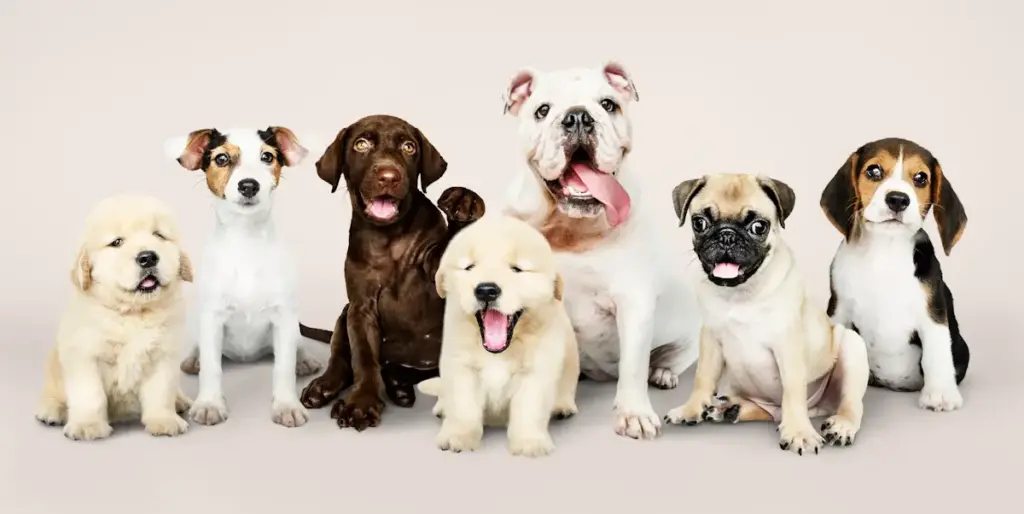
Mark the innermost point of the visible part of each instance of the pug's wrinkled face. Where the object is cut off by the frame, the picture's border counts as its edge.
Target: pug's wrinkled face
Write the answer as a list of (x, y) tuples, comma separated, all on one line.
[(735, 218)]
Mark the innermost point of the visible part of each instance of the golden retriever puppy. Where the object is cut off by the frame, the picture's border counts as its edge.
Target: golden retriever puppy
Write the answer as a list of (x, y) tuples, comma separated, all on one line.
[(509, 355), (116, 356)]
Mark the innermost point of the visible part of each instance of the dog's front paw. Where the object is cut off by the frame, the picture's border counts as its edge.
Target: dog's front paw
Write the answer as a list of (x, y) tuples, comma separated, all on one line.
[(663, 378), (636, 420), (461, 205), (166, 425), (689, 413), (306, 366), (457, 441), (940, 399), (565, 410), (721, 410), (839, 431), (87, 430), (289, 413), (536, 445), (209, 412), (800, 438), (182, 403), (358, 411), (321, 391), (190, 366), (51, 412)]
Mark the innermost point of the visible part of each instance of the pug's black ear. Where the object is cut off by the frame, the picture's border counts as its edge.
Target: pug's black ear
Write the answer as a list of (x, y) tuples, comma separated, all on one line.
[(684, 193), (781, 195)]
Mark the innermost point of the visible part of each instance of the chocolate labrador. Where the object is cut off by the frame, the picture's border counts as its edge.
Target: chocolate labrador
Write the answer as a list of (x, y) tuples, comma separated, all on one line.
[(388, 337)]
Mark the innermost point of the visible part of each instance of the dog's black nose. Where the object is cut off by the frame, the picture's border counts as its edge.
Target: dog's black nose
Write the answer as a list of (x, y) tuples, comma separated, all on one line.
[(897, 201), (487, 292), (147, 259), (727, 237), (248, 187), (578, 120)]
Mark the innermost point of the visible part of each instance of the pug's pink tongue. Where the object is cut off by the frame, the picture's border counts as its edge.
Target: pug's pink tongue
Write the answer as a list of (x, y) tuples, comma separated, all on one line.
[(605, 189), (382, 209), (495, 330), (726, 270)]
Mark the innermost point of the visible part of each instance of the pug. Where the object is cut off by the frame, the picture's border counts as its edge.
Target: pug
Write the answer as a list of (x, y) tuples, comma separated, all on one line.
[(767, 352)]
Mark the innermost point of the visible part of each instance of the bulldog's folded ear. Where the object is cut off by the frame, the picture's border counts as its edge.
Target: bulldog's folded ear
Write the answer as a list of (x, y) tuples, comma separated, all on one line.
[(781, 195), (949, 213), (620, 80), (330, 167), (684, 193), (292, 153), (839, 198), (519, 89)]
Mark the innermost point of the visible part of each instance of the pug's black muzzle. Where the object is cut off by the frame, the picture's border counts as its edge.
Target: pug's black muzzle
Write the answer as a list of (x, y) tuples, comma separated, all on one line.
[(730, 243)]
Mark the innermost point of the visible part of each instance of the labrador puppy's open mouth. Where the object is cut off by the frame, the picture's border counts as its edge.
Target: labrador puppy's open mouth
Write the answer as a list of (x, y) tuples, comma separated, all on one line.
[(382, 208), (496, 328), (582, 183), (148, 284)]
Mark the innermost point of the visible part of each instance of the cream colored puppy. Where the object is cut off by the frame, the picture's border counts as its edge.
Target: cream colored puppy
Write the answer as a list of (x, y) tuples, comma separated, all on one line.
[(116, 356), (509, 355), (782, 358)]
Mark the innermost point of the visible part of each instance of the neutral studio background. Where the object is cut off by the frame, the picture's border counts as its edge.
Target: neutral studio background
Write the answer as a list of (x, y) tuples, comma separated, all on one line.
[(89, 92)]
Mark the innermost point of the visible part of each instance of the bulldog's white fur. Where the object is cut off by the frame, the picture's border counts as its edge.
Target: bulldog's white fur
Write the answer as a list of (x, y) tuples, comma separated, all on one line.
[(634, 312), (246, 305)]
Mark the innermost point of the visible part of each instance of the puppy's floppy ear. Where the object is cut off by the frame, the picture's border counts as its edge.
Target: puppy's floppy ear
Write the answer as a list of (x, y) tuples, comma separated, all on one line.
[(331, 165), (839, 198), (520, 87), (81, 273), (621, 81), (185, 270), (432, 165), (559, 286), (684, 193), (292, 153), (189, 150), (439, 281), (781, 195), (948, 211)]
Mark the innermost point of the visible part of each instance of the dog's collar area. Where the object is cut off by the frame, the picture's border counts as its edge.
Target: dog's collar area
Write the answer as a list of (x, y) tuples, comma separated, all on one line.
[(496, 328)]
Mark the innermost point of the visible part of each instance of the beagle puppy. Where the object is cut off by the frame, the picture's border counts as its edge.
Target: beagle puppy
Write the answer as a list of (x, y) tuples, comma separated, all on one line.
[(885, 278)]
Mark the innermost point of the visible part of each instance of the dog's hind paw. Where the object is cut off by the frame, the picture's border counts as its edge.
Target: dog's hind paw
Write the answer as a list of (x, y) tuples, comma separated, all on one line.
[(721, 410), (306, 366), (51, 413), (565, 411), (190, 366)]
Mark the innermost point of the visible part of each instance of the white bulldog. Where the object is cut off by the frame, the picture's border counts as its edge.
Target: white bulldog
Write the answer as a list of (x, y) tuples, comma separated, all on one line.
[(633, 310)]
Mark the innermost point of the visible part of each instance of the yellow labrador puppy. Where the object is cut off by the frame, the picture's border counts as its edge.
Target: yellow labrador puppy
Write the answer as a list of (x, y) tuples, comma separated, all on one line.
[(783, 360), (509, 355), (116, 356)]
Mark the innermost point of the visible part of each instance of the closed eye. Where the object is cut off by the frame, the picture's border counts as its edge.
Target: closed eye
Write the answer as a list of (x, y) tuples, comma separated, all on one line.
[(159, 235), (468, 267), (517, 269)]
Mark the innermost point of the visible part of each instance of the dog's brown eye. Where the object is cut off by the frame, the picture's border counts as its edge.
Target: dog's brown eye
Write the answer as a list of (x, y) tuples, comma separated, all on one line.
[(159, 235), (758, 228), (267, 157), (409, 147), (874, 172), (542, 111), (361, 145), (921, 179), (117, 242), (609, 105), (222, 160), (699, 224)]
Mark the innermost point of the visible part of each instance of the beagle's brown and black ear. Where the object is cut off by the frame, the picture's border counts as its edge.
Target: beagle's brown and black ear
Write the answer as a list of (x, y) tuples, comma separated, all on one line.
[(331, 165), (432, 165), (684, 193), (839, 198), (948, 211), (781, 195)]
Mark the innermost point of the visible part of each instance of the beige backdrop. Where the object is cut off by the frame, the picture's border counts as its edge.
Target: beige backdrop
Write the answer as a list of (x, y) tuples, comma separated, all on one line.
[(90, 91)]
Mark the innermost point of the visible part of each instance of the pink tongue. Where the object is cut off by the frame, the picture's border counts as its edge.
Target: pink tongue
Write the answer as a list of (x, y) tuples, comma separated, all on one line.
[(382, 209), (148, 282), (495, 330), (605, 189), (726, 270)]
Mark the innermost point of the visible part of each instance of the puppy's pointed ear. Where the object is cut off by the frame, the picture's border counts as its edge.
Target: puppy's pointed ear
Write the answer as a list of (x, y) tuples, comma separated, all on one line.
[(948, 211), (684, 193), (559, 286), (81, 272), (185, 270), (781, 195), (439, 281), (331, 165), (520, 87), (189, 150), (432, 165), (292, 152), (621, 81), (839, 199)]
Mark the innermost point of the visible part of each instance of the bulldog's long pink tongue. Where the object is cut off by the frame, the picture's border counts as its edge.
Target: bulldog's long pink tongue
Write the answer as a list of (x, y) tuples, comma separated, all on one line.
[(382, 209), (495, 330), (605, 189)]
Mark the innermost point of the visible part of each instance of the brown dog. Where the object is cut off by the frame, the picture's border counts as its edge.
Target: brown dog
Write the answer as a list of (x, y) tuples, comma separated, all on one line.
[(388, 337)]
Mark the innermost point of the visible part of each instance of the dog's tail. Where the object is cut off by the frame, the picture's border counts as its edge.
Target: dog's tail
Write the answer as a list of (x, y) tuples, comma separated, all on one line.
[(430, 386), (316, 334)]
